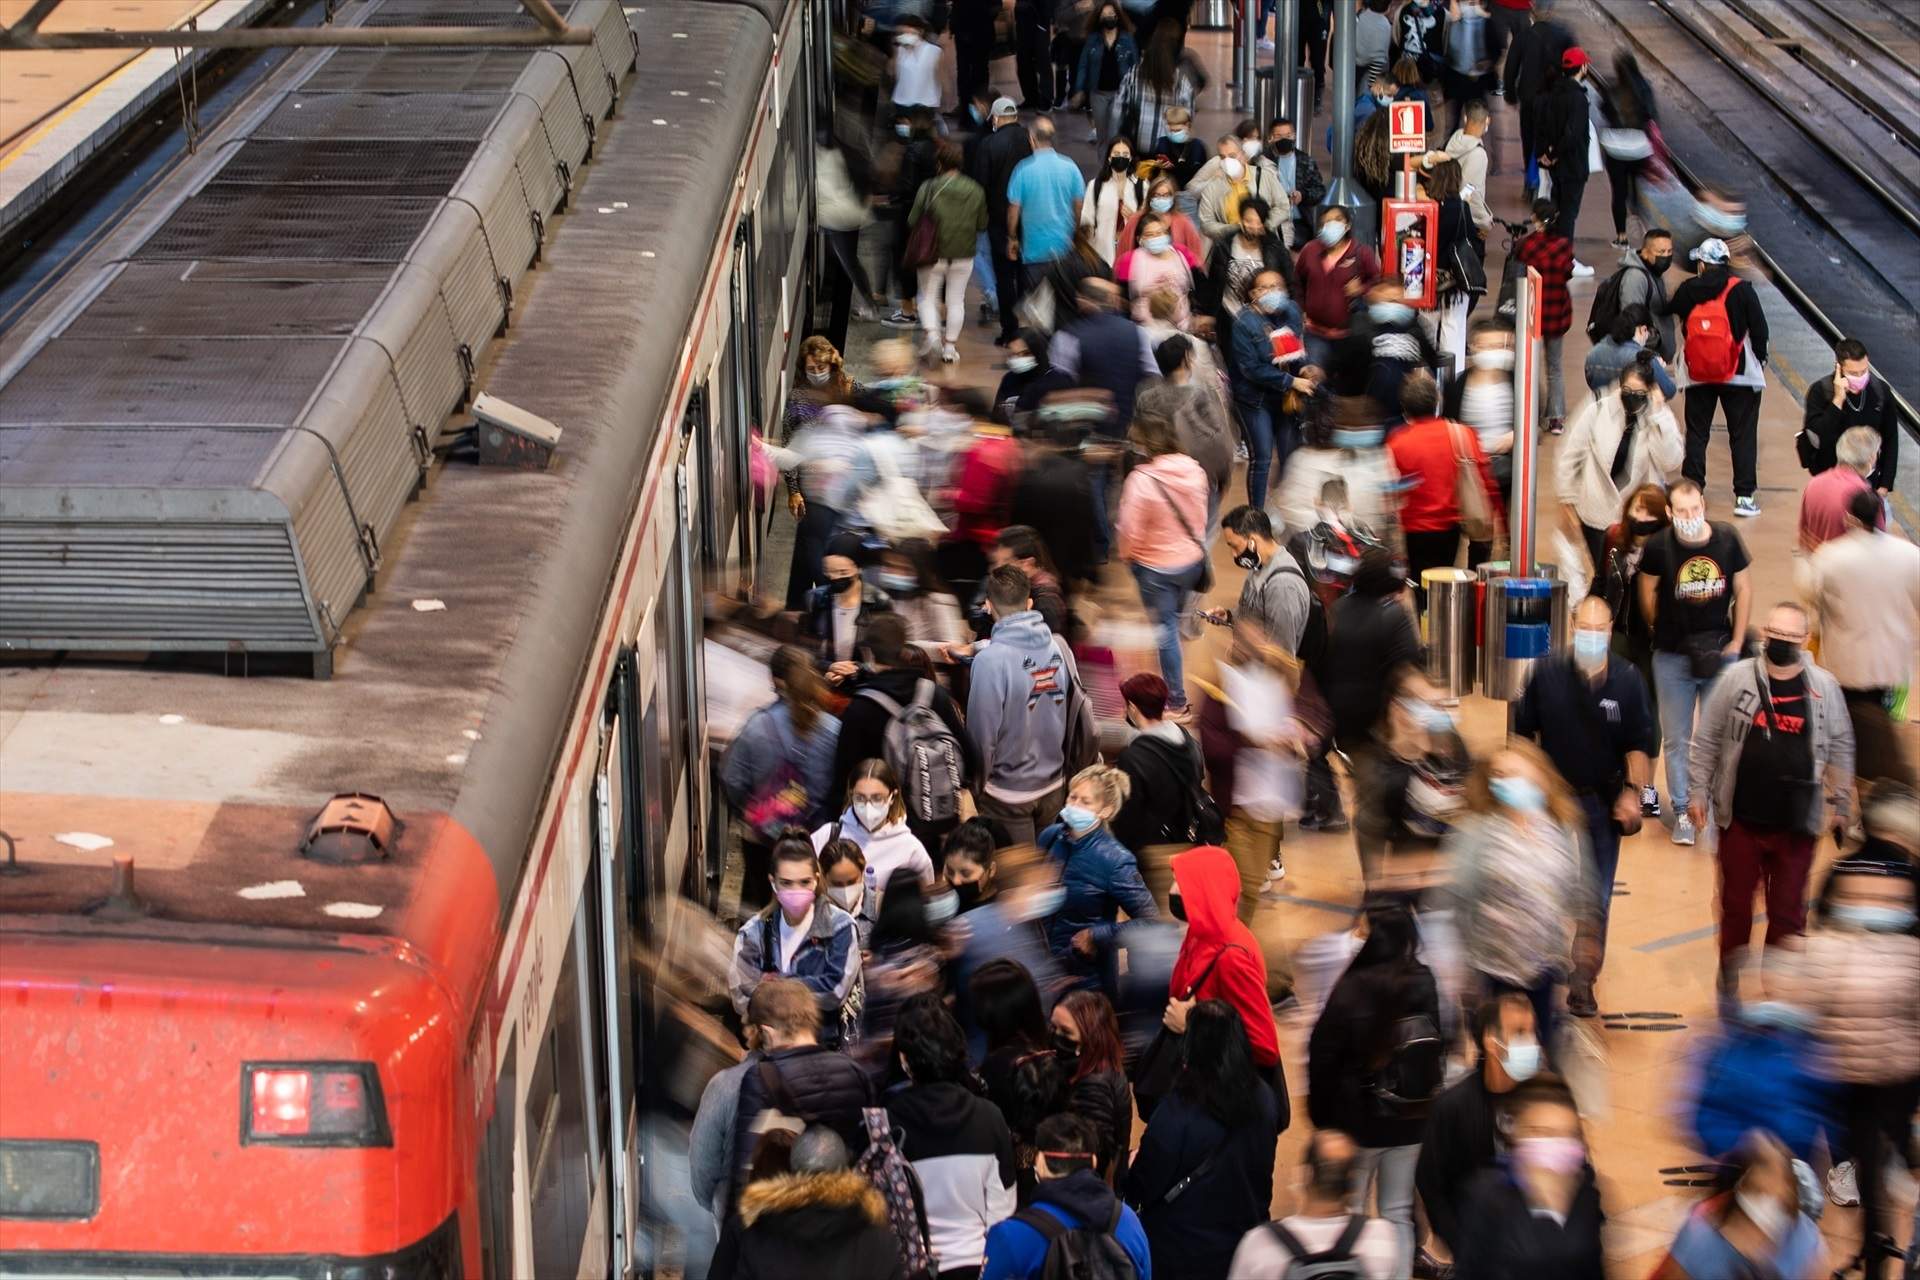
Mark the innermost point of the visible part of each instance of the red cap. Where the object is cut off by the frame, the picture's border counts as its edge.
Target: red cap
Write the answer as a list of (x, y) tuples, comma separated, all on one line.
[(1574, 58)]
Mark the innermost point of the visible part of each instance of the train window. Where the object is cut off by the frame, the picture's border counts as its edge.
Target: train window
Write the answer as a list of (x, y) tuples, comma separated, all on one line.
[(559, 1166), (496, 1173)]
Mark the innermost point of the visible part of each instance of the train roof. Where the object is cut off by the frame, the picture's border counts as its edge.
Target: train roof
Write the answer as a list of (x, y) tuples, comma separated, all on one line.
[(453, 683)]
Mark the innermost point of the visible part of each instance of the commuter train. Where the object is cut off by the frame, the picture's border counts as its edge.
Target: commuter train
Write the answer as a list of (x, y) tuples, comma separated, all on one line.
[(336, 976)]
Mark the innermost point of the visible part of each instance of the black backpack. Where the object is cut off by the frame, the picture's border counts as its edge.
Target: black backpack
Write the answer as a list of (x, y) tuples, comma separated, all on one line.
[(1079, 1253), (1313, 638), (1606, 305), (1334, 1263), (1415, 1069)]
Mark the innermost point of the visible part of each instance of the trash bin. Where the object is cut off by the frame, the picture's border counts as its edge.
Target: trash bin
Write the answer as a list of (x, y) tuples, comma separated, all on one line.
[(1526, 619), (1212, 15), (1488, 571), (1264, 107), (1451, 597)]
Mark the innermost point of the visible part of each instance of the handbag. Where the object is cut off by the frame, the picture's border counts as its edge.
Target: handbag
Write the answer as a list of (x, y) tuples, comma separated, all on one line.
[(923, 241), (894, 507), (1476, 512), (1206, 561), (1159, 1063)]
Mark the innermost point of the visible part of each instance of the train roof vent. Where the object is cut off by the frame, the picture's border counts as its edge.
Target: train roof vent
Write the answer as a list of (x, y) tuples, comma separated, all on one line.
[(350, 829), (205, 443)]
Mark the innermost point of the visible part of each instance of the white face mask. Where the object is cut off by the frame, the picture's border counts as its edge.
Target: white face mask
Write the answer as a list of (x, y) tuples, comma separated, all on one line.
[(846, 896), (1232, 168), (1497, 359), (872, 813), (819, 377), (1251, 149)]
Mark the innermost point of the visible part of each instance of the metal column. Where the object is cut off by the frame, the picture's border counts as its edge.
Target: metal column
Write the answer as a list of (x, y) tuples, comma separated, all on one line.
[(1343, 192), (1246, 54), (1286, 61), (1527, 365)]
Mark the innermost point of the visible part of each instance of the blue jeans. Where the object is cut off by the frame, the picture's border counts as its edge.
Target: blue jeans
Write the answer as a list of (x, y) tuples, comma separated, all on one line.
[(983, 270), (1680, 692), (1604, 838), (1102, 523), (1270, 438), (1319, 349), (1164, 594)]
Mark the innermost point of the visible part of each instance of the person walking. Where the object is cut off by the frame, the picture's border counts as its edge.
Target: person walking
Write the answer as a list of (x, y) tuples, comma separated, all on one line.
[(1430, 450), (1826, 504), (1378, 1032), (1590, 714), (1299, 178), (1220, 959), (1628, 108), (1865, 588), (1193, 399), (1752, 1224), (958, 208), (1563, 129), (1853, 395), (1324, 1231), (1033, 22), (1627, 342), (1106, 60), (1164, 771), (1264, 376), (1774, 755), (1043, 206), (1548, 250), (1333, 270), (1103, 349), (1253, 247), (1538, 1214), (1624, 437), (778, 771), (1100, 875), (995, 157), (1203, 1176), (1157, 265), (1113, 196), (801, 935), (1695, 594), (1725, 349), (1017, 711), (1163, 509), (796, 1075), (1275, 600)]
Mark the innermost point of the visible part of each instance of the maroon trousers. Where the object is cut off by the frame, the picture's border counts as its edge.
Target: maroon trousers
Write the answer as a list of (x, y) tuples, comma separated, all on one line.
[(1752, 857)]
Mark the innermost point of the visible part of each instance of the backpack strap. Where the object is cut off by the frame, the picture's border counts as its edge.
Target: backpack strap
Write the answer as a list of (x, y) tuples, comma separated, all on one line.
[(1049, 1227), (777, 1091), (1113, 1220), (1288, 1241), (1350, 1238), (923, 693), (892, 708)]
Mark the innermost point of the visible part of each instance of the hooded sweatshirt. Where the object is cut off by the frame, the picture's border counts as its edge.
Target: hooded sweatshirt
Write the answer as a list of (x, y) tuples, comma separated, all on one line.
[(1017, 709), (1015, 1250), (799, 1226), (1209, 882), (961, 1149), (892, 848)]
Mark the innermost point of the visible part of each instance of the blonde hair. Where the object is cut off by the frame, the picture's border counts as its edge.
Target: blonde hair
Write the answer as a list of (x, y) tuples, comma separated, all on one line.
[(892, 357), (1163, 303), (1111, 783), (1561, 805)]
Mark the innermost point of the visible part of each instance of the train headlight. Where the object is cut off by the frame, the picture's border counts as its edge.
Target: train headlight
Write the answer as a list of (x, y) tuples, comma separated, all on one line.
[(312, 1104)]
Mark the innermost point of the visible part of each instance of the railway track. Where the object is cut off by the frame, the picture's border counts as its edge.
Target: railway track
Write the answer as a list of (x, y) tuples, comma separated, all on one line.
[(1837, 227)]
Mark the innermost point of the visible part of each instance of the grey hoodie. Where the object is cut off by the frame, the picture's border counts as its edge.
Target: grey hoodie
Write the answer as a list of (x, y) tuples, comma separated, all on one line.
[(1017, 708), (1643, 288)]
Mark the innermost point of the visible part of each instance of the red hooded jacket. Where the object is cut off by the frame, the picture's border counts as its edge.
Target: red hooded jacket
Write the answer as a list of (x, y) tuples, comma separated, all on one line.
[(1210, 889)]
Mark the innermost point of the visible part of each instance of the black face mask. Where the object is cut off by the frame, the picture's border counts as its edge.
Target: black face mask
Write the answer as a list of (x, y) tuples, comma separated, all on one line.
[(1068, 1051), (1120, 164), (1177, 904), (1281, 146), (1645, 528), (1248, 559), (839, 586), (1108, 22), (1633, 401), (1782, 653), (969, 894), (1660, 264)]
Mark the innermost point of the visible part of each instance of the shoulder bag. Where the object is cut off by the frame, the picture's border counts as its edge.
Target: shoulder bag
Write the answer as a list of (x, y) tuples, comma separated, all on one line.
[(1205, 584), (1159, 1063), (923, 242), (1476, 512)]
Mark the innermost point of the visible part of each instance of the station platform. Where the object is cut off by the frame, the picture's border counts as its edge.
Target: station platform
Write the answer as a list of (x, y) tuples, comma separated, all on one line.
[(58, 109), (1634, 1071)]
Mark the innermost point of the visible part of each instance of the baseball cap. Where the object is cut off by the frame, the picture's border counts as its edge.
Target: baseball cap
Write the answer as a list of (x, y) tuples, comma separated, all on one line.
[(1710, 250), (1574, 57), (1005, 107)]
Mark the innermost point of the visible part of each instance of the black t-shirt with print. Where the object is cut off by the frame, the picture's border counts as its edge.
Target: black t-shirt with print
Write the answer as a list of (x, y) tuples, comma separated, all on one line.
[(1776, 761), (1696, 586)]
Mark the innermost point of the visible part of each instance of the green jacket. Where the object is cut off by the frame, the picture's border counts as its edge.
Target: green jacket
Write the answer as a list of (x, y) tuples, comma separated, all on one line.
[(959, 210)]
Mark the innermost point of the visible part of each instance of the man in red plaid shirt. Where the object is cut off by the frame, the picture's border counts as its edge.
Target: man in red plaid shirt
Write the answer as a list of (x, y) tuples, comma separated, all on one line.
[(1550, 253)]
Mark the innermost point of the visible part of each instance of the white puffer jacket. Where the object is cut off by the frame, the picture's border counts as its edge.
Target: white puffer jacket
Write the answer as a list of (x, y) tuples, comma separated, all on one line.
[(1863, 990)]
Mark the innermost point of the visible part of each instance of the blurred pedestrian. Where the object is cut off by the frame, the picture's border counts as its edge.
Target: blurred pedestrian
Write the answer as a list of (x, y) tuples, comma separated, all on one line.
[(994, 159), (1548, 249), (1461, 1137), (1433, 452), (778, 771), (823, 1221), (958, 208), (1266, 368), (1751, 1223), (1016, 711), (1106, 60), (1163, 510), (1333, 271), (1539, 1214)]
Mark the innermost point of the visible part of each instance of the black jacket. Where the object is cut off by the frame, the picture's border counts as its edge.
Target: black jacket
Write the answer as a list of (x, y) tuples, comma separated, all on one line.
[(1274, 257), (1159, 801), (1501, 1239), (1374, 358), (1196, 1234), (962, 1152), (1367, 638), (1745, 317), (1561, 129), (1350, 1042), (1053, 496), (863, 725), (814, 1084), (1457, 1143), (873, 602), (810, 1226), (1533, 59), (1105, 1100), (993, 162), (1871, 408)]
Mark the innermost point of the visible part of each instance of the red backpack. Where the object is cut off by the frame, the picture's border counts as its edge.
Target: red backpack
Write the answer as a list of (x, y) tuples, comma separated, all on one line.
[(1712, 354)]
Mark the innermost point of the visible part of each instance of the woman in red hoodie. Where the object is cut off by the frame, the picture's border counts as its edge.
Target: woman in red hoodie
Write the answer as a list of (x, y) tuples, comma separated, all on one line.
[(1221, 960)]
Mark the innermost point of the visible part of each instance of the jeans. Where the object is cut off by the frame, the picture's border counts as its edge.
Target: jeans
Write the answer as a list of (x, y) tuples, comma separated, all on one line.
[(1102, 521), (1680, 693), (1753, 857), (1268, 434), (1568, 191), (1164, 594), (983, 270), (1391, 1168), (1877, 1121), (810, 539), (948, 276), (1319, 349), (1743, 433), (1556, 383), (1021, 820), (1100, 106), (1604, 840)]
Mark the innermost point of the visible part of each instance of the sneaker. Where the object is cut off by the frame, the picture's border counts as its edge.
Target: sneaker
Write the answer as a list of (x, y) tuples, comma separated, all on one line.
[(1620, 242), (1240, 453), (1580, 1001), (899, 319), (866, 311), (1746, 506), (1276, 870), (1581, 270), (1683, 832), (1325, 824), (1649, 802), (1843, 1187), (949, 354), (1004, 339)]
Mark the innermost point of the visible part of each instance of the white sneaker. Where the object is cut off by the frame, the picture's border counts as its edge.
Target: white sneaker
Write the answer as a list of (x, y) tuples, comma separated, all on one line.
[(1683, 832), (1843, 1188), (1581, 270), (1276, 871), (949, 354), (1093, 135)]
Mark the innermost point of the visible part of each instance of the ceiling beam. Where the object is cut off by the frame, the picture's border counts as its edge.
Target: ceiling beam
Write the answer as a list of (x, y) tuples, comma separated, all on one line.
[(14, 38)]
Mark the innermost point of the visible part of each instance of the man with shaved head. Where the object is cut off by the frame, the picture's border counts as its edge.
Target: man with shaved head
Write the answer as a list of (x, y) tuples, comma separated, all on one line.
[(1591, 715)]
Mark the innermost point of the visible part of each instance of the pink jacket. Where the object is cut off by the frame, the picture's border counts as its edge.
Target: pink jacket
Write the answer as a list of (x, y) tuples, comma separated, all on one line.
[(1145, 273), (1163, 514)]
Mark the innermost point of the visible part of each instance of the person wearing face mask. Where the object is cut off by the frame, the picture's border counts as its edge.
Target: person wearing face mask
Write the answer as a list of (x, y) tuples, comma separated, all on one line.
[(823, 381), (1184, 154), (1299, 177), (1114, 195), (896, 671), (1100, 875), (1858, 976), (843, 872), (1520, 885), (1642, 515), (1372, 44), (1341, 443), (916, 66), (1108, 57), (1853, 395), (1007, 936), (821, 456), (840, 610), (1619, 440), (1548, 250), (1538, 1213), (779, 769), (1163, 202), (1263, 377), (1165, 772), (1027, 369), (1627, 342), (876, 819), (1564, 130), (1430, 450), (1154, 265), (1751, 1225), (1726, 359), (1376, 95), (1591, 716), (1461, 1137), (1233, 177), (1275, 601), (1642, 274), (1774, 756), (967, 864), (1410, 782), (1086, 1040), (801, 935), (1333, 270), (1235, 259)]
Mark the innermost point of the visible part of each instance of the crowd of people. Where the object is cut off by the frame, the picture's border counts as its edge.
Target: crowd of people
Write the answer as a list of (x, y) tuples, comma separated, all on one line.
[(1002, 1010)]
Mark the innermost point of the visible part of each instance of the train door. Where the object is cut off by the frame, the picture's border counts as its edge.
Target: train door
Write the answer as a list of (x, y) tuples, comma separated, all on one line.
[(732, 487), (609, 890), (686, 665)]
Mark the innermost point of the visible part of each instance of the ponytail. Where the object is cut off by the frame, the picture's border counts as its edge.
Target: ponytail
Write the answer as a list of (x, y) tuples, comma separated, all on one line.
[(803, 690)]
